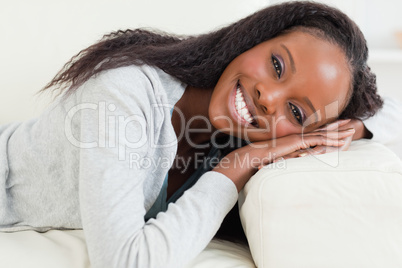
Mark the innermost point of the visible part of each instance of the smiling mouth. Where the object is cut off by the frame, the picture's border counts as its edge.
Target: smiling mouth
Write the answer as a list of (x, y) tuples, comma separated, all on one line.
[(242, 108)]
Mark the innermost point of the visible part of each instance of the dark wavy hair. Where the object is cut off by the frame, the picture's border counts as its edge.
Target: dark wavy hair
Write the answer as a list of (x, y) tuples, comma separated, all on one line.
[(200, 60)]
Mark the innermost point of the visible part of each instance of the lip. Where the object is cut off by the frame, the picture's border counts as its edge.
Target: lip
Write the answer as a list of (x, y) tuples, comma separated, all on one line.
[(249, 104)]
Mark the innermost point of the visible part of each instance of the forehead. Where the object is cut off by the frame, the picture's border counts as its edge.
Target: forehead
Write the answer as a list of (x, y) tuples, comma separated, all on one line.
[(322, 74)]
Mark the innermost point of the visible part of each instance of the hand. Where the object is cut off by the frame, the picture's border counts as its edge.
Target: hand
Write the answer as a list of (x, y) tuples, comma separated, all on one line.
[(242, 163), (360, 131)]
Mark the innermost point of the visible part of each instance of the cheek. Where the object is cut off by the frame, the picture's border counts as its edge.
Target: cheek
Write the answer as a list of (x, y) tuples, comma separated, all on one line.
[(258, 70), (284, 127), (252, 66)]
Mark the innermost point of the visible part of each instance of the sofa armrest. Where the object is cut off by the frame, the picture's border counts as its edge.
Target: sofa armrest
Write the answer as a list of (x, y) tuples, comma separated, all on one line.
[(334, 210)]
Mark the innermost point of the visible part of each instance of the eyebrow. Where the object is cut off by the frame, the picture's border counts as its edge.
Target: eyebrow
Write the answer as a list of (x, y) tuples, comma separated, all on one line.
[(292, 62), (307, 100)]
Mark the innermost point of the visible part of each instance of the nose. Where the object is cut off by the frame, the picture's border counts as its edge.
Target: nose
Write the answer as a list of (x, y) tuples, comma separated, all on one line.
[(267, 98)]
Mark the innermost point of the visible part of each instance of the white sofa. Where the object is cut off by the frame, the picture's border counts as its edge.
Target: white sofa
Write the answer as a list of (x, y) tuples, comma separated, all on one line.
[(334, 210)]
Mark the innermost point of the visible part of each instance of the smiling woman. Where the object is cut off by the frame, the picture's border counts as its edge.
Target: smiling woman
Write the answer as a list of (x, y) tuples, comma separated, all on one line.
[(271, 82)]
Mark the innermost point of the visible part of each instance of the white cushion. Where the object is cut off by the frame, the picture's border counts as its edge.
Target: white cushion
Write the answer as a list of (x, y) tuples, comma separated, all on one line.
[(67, 249), (334, 210), (223, 254), (61, 249)]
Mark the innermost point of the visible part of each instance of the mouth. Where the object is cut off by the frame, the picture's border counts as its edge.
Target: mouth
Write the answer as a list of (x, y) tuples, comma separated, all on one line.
[(243, 106)]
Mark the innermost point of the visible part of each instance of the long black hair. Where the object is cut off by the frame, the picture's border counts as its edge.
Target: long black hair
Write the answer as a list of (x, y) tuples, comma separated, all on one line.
[(200, 60)]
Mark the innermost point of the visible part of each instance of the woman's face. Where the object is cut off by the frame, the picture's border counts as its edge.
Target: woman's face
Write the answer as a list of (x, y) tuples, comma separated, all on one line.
[(293, 83)]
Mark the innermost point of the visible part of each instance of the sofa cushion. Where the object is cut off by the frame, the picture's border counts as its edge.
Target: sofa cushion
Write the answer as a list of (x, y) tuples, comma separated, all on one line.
[(67, 249), (333, 210)]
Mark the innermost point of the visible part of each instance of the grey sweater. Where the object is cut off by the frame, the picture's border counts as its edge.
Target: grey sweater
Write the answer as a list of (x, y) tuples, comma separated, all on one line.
[(97, 161)]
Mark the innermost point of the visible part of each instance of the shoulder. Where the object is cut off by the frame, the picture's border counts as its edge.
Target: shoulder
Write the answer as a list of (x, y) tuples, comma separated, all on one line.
[(142, 74), (139, 83), (131, 88), (127, 79), (125, 92)]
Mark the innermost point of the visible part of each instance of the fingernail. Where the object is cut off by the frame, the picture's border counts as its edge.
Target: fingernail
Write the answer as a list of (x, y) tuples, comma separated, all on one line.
[(344, 120), (302, 154), (341, 141), (350, 130)]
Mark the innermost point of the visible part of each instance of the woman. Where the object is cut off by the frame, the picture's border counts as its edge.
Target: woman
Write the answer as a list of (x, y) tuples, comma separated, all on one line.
[(119, 143)]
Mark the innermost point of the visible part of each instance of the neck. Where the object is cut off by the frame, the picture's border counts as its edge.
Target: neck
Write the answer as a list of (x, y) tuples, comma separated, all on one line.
[(190, 118)]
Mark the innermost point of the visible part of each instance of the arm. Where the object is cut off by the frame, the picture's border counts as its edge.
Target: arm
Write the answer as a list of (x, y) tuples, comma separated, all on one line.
[(112, 193)]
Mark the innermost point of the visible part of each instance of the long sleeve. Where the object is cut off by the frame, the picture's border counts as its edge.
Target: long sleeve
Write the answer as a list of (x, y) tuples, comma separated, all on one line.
[(112, 188), (386, 125)]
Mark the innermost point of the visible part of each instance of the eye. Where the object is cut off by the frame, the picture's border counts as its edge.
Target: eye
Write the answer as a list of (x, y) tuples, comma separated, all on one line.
[(298, 115), (277, 66)]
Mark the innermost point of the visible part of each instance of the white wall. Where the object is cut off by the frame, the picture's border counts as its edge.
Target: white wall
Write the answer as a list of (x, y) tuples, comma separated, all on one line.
[(38, 37), (377, 19)]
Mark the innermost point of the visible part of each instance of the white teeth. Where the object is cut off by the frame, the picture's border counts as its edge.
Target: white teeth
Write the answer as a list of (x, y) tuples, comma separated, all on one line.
[(243, 112), (241, 107)]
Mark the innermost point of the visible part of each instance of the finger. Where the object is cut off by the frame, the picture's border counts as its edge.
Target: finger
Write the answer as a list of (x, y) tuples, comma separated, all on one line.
[(293, 155), (296, 154), (343, 122), (337, 134), (340, 134), (348, 141), (312, 151), (304, 152), (312, 141), (333, 125), (325, 149)]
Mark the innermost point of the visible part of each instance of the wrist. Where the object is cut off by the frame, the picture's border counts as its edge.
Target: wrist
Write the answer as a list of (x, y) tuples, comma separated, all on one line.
[(361, 132), (367, 134)]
